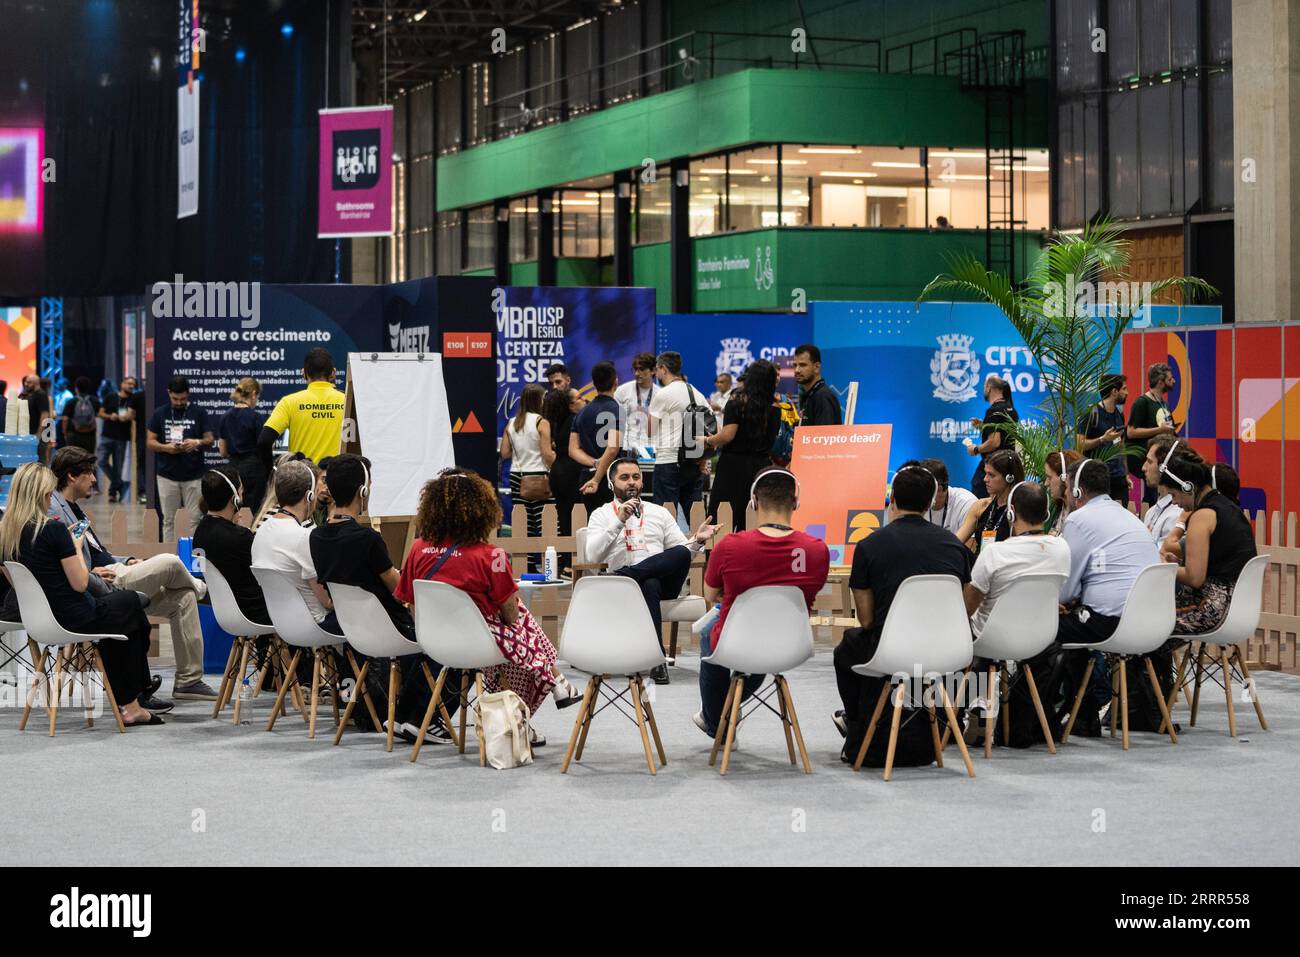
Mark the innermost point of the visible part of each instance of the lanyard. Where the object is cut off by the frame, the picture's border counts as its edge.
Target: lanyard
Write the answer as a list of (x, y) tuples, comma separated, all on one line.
[(627, 532), (943, 522)]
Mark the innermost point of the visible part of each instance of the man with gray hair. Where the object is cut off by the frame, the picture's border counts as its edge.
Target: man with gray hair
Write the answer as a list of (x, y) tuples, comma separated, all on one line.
[(281, 542), (1149, 417)]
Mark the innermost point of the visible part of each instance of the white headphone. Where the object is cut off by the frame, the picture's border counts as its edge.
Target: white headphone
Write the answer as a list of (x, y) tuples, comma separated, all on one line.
[(921, 468), (1164, 469), (1214, 482), (773, 471), (1078, 474), (1011, 508), (613, 466), (234, 492), (365, 487)]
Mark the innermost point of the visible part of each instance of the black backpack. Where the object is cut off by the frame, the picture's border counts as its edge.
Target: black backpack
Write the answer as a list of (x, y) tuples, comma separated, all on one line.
[(698, 422)]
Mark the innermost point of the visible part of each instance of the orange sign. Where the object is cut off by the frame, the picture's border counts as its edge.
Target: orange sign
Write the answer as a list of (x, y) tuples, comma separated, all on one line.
[(467, 345), (842, 472)]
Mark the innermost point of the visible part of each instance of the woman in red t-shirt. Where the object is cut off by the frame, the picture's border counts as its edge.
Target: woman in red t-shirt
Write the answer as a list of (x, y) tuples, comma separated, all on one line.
[(460, 510)]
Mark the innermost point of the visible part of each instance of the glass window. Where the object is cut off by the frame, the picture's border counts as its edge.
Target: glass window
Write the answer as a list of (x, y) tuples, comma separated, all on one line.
[(958, 196), (708, 189), (584, 218), (523, 229), (449, 242), (480, 231), (652, 211), (751, 199)]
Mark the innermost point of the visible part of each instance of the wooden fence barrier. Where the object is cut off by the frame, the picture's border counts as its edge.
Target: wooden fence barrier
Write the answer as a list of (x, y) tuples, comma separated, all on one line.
[(1274, 645)]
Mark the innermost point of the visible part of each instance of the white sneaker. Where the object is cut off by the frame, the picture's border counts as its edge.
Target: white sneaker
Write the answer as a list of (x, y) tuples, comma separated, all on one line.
[(698, 718), (536, 738)]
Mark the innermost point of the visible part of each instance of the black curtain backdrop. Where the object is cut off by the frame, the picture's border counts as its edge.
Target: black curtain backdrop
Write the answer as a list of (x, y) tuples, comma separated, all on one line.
[(102, 76)]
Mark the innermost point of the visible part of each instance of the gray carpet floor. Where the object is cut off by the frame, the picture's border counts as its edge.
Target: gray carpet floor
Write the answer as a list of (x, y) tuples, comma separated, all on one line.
[(200, 791)]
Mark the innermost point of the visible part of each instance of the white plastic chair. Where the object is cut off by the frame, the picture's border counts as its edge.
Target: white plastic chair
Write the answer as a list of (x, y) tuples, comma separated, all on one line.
[(77, 652), (233, 621), (927, 636), (1021, 625), (767, 632), (296, 627), (608, 631), (369, 630), (452, 631), (673, 611), (1144, 626), (1237, 629)]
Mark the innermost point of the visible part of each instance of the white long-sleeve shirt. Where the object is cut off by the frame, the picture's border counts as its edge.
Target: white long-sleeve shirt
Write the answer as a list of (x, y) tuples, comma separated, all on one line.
[(626, 543)]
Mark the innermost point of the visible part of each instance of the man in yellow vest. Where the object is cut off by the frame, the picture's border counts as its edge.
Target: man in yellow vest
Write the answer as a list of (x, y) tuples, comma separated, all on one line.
[(313, 416)]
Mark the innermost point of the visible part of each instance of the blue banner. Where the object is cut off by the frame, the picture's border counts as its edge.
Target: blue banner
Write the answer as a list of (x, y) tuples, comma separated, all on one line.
[(712, 344), (578, 326)]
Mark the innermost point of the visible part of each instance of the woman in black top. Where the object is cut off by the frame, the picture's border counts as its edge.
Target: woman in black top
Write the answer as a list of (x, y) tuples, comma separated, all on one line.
[(55, 558), (240, 429), (987, 519), (1217, 544), (750, 422), (559, 409)]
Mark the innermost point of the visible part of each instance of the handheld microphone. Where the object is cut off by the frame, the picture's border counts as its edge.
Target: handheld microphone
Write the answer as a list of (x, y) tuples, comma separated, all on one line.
[(636, 508)]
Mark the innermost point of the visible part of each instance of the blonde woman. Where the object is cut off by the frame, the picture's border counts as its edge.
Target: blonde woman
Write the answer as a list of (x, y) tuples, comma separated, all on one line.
[(46, 546), (240, 428)]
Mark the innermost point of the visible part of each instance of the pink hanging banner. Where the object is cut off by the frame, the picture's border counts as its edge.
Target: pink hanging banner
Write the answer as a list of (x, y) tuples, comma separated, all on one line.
[(356, 172)]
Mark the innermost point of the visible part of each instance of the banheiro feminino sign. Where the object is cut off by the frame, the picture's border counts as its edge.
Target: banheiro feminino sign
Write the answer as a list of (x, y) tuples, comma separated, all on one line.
[(355, 192)]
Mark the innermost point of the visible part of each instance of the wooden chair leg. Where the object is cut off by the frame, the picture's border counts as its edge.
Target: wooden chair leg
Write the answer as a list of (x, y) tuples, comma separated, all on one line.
[(359, 693), (654, 730), (1004, 702), (1180, 671), (1078, 700), (871, 727), (58, 689), (392, 703), (482, 743), (1123, 699), (1253, 688), (794, 723), (1160, 697), (291, 678), (592, 707), (634, 685), (315, 690), (237, 687), (108, 690), (893, 730), (464, 708), (361, 690), (1038, 708), (934, 725), (732, 721), (1227, 690), (785, 717), (434, 702), (1115, 696), (39, 681), (988, 711), (952, 719), (1196, 691), (720, 735), (961, 692), (225, 677), (579, 722)]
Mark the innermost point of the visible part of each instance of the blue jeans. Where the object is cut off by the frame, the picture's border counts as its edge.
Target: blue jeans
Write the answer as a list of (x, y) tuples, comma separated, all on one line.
[(112, 459), (680, 485), (714, 680)]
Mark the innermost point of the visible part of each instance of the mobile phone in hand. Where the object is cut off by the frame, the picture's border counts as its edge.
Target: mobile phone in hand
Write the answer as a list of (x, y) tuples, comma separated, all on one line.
[(80, 527)]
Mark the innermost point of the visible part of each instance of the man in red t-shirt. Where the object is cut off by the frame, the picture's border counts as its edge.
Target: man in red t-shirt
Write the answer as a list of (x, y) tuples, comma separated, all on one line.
[(772, 553)]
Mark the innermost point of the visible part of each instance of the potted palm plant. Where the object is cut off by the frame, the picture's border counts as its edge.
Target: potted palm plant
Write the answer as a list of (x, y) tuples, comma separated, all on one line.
[(1071, 310)]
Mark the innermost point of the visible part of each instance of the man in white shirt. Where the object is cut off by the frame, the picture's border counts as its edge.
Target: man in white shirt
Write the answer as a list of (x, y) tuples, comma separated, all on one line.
[(950, 504), (677, 477), (281, 542), (1029, 551), (723, 388), (1109, 548), (641, 541), (634, 399), (1163, 514)]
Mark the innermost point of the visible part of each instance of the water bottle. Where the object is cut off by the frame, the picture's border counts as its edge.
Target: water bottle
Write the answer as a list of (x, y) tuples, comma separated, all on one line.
[(245, 702), (550, 564)]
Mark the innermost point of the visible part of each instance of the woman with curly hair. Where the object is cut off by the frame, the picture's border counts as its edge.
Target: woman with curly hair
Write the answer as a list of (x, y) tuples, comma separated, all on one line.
[(458, 514)]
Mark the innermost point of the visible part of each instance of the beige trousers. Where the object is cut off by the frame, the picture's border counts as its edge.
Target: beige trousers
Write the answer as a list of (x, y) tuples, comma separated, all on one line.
[(172, 592)]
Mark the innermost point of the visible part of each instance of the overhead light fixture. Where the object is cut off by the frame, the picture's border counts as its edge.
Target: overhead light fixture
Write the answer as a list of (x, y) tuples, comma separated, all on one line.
[(848, 173), (734, 172), (887, 192), (420, 15), (969, 176), (772, 162), (957, 154), (892, 165), (831, 150), (1023, 169)]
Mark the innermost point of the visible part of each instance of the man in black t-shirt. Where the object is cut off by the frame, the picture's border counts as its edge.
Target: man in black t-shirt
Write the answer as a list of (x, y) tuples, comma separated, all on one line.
[(115, 442), (1149, 418), (597, 437), (997, 393), (38, 414), (907, 546), (818, 403), (80, 415), (347, 551), (1102, 431), (178, 434)]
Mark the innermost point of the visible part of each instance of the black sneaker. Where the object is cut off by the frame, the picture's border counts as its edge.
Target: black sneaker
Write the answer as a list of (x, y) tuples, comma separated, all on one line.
[(841, 724), (156, 705), (660, 674)]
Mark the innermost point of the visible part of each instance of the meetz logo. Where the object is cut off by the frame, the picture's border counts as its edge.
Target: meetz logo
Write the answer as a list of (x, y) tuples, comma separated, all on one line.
[(76, 910)]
